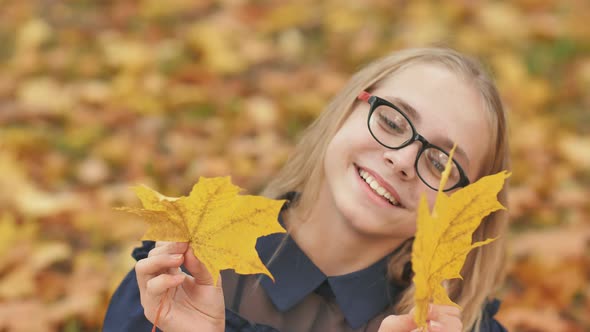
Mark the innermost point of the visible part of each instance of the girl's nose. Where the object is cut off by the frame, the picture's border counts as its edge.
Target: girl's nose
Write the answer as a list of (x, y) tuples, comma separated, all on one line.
[(403, 160)]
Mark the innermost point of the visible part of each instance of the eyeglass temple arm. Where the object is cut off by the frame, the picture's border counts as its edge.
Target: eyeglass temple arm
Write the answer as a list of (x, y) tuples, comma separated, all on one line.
[(364, 96)]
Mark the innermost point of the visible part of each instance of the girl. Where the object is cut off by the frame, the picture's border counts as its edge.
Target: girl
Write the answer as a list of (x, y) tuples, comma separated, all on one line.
[(352, 187)]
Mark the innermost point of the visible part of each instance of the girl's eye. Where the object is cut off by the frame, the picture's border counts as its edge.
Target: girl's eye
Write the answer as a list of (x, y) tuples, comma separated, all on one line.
[(437, 160), (438, 165), (392, 123)]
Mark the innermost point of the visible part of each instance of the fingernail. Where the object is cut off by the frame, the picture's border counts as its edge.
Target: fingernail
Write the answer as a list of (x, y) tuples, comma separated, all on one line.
[(435, 326), (177, 256)]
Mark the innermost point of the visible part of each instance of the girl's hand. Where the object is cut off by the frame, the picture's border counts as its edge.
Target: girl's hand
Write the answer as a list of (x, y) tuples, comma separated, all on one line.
[(191, 303), (441, 318)]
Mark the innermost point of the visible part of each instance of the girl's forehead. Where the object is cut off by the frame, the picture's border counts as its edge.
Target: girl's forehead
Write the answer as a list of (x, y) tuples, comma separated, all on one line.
[(431, 88), (432, 74)]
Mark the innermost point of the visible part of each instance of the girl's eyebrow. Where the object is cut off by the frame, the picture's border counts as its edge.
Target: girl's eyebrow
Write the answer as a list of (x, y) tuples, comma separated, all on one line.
[(410, 111), (405, 107), (448, 145)]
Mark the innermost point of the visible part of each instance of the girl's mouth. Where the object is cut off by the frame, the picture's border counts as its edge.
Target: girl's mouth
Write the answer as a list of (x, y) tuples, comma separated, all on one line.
[(374, 185)]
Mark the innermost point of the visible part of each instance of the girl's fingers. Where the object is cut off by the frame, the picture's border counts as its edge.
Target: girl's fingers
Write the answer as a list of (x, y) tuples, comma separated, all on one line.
[(397, 323), (197, 269), (445, 323), (436, 310), (157, 286), (440, 318), (148, 267), (444, 318), (168, 248)]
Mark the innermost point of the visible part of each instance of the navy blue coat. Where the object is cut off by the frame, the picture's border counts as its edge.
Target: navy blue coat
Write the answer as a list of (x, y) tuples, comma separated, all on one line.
[(125, 312)]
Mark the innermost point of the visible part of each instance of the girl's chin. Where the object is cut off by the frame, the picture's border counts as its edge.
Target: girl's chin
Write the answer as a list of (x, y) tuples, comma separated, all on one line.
[(378, 230), (364, 218)]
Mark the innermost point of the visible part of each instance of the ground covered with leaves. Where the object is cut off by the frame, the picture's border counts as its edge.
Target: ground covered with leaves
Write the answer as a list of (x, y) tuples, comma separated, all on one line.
[(97, 96)]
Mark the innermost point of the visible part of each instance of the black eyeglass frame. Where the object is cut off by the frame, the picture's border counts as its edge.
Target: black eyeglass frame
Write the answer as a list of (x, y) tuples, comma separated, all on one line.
[(375, 102)]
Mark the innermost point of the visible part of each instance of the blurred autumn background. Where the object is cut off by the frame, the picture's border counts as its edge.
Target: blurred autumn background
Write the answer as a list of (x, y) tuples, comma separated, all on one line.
[(97, 96)]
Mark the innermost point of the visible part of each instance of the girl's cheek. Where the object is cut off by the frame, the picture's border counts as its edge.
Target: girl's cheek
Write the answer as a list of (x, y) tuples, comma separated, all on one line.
[(416, 196), (430, 197)]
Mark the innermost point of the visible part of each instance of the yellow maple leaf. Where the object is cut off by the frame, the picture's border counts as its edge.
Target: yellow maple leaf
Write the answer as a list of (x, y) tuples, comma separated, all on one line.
[(221, 226), (444, 238)]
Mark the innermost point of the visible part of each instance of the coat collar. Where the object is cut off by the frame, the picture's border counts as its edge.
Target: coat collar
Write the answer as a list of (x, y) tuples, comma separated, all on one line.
[(361, 295)]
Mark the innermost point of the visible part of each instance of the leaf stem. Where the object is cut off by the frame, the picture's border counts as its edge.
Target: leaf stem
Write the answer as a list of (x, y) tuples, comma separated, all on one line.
[(160, 310)]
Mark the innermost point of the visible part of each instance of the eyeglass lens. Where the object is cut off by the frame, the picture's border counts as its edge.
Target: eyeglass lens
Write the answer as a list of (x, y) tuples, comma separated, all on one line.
[(393, 130)]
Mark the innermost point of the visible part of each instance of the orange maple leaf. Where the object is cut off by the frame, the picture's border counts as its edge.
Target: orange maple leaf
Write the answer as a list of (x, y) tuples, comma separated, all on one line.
[(221, 226)]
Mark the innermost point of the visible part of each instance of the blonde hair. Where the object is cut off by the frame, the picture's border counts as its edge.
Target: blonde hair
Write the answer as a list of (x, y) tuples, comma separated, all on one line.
[(303, 173)]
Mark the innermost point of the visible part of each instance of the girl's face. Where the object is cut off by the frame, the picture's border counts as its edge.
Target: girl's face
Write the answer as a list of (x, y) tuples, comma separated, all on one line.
[(447, 110)]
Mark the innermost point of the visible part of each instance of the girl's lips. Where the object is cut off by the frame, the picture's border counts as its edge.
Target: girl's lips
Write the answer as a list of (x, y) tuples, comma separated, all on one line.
[(382, 183)]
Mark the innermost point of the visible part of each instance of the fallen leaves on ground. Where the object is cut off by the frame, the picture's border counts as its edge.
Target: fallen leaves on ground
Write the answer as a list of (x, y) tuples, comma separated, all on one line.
[(98, 95)]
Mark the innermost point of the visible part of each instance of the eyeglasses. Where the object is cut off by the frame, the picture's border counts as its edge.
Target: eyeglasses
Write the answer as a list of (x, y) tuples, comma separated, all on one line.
[(392, 128)]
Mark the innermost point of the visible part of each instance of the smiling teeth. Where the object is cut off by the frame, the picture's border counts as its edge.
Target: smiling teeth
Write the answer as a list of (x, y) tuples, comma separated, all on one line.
[(376, 187)]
